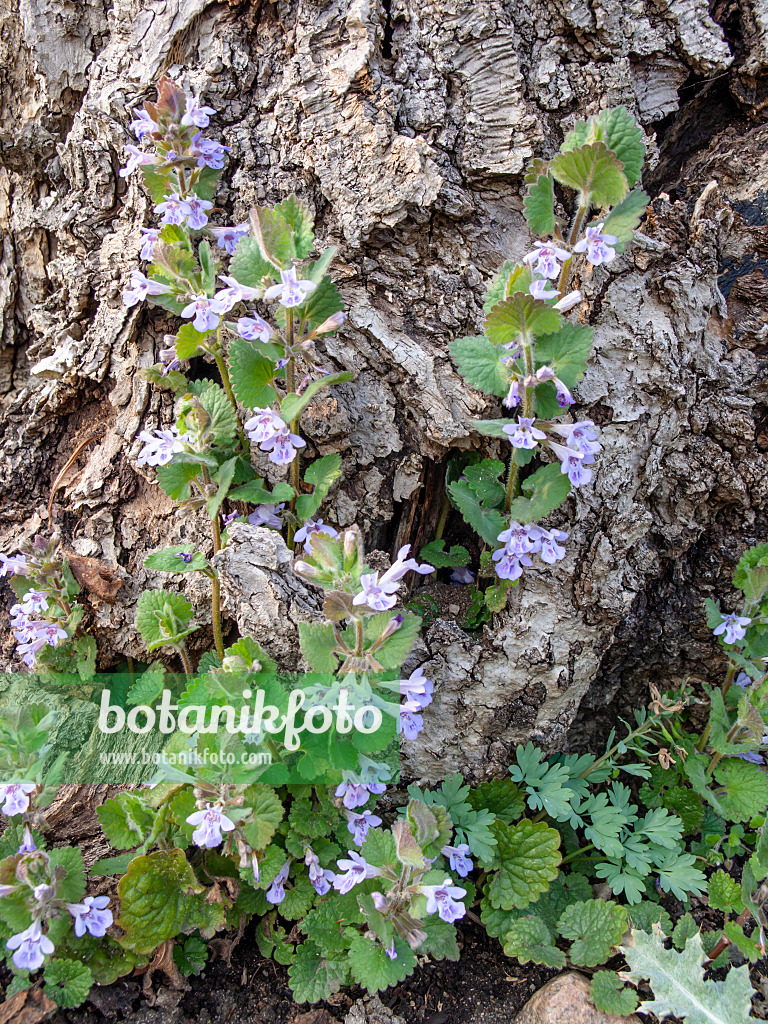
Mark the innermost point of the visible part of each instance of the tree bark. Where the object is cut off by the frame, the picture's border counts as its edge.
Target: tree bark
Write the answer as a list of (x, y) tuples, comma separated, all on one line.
[(406, 127)]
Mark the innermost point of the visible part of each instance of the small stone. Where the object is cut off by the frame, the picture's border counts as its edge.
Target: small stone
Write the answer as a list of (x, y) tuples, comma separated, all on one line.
[(565, 1000)]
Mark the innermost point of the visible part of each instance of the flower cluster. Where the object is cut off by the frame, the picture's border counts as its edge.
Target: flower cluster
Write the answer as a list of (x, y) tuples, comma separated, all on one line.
[(273, 435)]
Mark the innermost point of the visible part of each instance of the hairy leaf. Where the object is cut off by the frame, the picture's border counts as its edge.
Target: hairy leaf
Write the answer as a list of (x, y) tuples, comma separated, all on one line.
[(595, 926), (248, 266), (539, 203), (528, 854), (520, 314), (593, 170), (67, 982), (301, 222), (371, 967), (567, 351), (480, 363), (609, 994), (317, 643), (529, 939), (620, 133), (252, 374), (544, 490), (315, 975), (163, 618), (487, 522)]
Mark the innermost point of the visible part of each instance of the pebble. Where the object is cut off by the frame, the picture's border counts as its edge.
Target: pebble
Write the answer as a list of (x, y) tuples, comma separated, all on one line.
[(565, 1000)]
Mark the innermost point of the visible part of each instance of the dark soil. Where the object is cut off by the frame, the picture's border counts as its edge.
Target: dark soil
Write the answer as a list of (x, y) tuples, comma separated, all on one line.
[(484, 987)]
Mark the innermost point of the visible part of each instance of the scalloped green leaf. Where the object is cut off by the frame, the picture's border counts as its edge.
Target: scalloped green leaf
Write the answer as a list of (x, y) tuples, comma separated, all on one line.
[(323, 302), (520, 314), (371, 967), (544, 490), (619, 131), (248, 266), (529, 940), (609, 994), (317, 642), (488, 523), (595, 927), (163, 618), (168, 559), (316, 975), (529, 855), (479, 363), (435, 554), (539, 205), (567, 351), (624, 219), (175, 477), (301, 222), (67, 982), (594, 171), (274, 236), (125, 821), (322, 474), (746, 789), (724, 892), (252, 374), (188, 341), (267, 810)]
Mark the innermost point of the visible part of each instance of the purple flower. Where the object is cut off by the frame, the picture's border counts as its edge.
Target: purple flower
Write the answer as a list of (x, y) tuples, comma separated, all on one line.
[(290, 292), (208, 153), (91, 915), (356, 869), (524, 435), (30, 649), (136, 159), (173, 208), (141, 286), (28, 843), (521, 540), (379, 593), (321, 878), (743, 680), (276, 892), (33, 602), (267, 515), (580, 436), (253, 328), (462, 575), (458, 858), (550, 551), (442, 900), (391, 952), (417, 689), (733, 628), (282, 447), (16, 565), (235, 292), (52, 633), (210, 824), (185, 556), (196, 115), (509, 566), (564, 396), (547, 255), (354, 793), (568, 301), (228, 237), (539, 290), (359, 824), (310, 529), (206, 312), (196, 212), (513, 398), (31, 947), (16, 796), (143, 124), (161, 448), (263, 425), (323, 883), (410, 722), (148, 243), (597, 246), (573, 463)]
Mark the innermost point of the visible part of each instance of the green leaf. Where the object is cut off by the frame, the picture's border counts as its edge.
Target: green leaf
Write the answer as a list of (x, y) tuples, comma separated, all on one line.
[(435, 554), (487, 522), (529, 856), (256, 493), (274, 236), (125, 820), (396, 647), (483, 478), (497, 290), (753, 558), (206, 266), (322, 303), (267, 809), (175, 477), (595, 926), (248, 266), (593, 170), (322, 474), (501, 797), (156, 184), (317, 643), (293, 405), (222, 424), (300, 220), (620, 133), (371, 967), (315, 975), (609, 994), (746, 789), (168, 560), (161, 898), (567, 351), (440, 942), (163, 618), (479, 363), (67, 982), (205, 186), (539, 204), (544, 490), (746, 945), (493, 428), (70, 861), (108, 866), (529, 939), (298, 899), (191, 957), (685, 927), (223, 477), (188, 341), (520, 314), (679, 986), (686, 805), (624, 219), (252, 374), (724, 893)]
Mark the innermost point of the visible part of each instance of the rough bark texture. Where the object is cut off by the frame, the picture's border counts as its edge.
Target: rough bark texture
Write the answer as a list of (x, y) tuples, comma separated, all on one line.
[(406, 127)]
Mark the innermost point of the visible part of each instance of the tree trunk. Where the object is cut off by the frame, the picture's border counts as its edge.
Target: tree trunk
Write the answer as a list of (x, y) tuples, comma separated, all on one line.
[(406, 127)]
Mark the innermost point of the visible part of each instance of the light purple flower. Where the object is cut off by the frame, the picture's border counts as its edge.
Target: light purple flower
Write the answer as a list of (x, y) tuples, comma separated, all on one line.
[(91, 915), (173, 208), (379, 593), (568, 301), (52, 633), (733, 628), (148, 242), (197, 216), (458, 858), (524, 435), (196, 115), (28, 843), (136, 158), (266, 515), (276, 892), (356, 869), (547, 255), (322, 884), (572, 463), (391, 951), (551, 551), (30, 650), (416, 688), (141, 286), (143, 124), (462, 575), (743, 680), (311, 528), (290, 292), (206, 312), (210, 824), (443, 900), (354, 793), (263, 425), (253, 328), (521, 540), (16, 565), (564, 396), (580, 436), (16, 797), (31, 947), (34, 601), (539, 290), (513, 398), (228, 237), (161, 448), (208, 153), (359, 824), (509, 566), (282, 447), (597, 245), (409, 721)]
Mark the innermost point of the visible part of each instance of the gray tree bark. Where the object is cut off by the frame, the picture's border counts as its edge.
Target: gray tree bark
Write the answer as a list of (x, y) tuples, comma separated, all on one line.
[(406, 127)]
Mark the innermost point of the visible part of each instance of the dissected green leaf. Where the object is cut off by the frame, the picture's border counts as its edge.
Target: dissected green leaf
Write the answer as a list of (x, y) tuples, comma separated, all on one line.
[(528, 854), (594, 171)]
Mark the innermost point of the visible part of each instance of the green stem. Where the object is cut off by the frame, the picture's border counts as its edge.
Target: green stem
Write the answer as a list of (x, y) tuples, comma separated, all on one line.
[(358, 638), (572, 239), (577, 853), (513, 477), (639, 731), (218, 638), (445, 508), (290, 385), (185, 661), (221, 363)]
